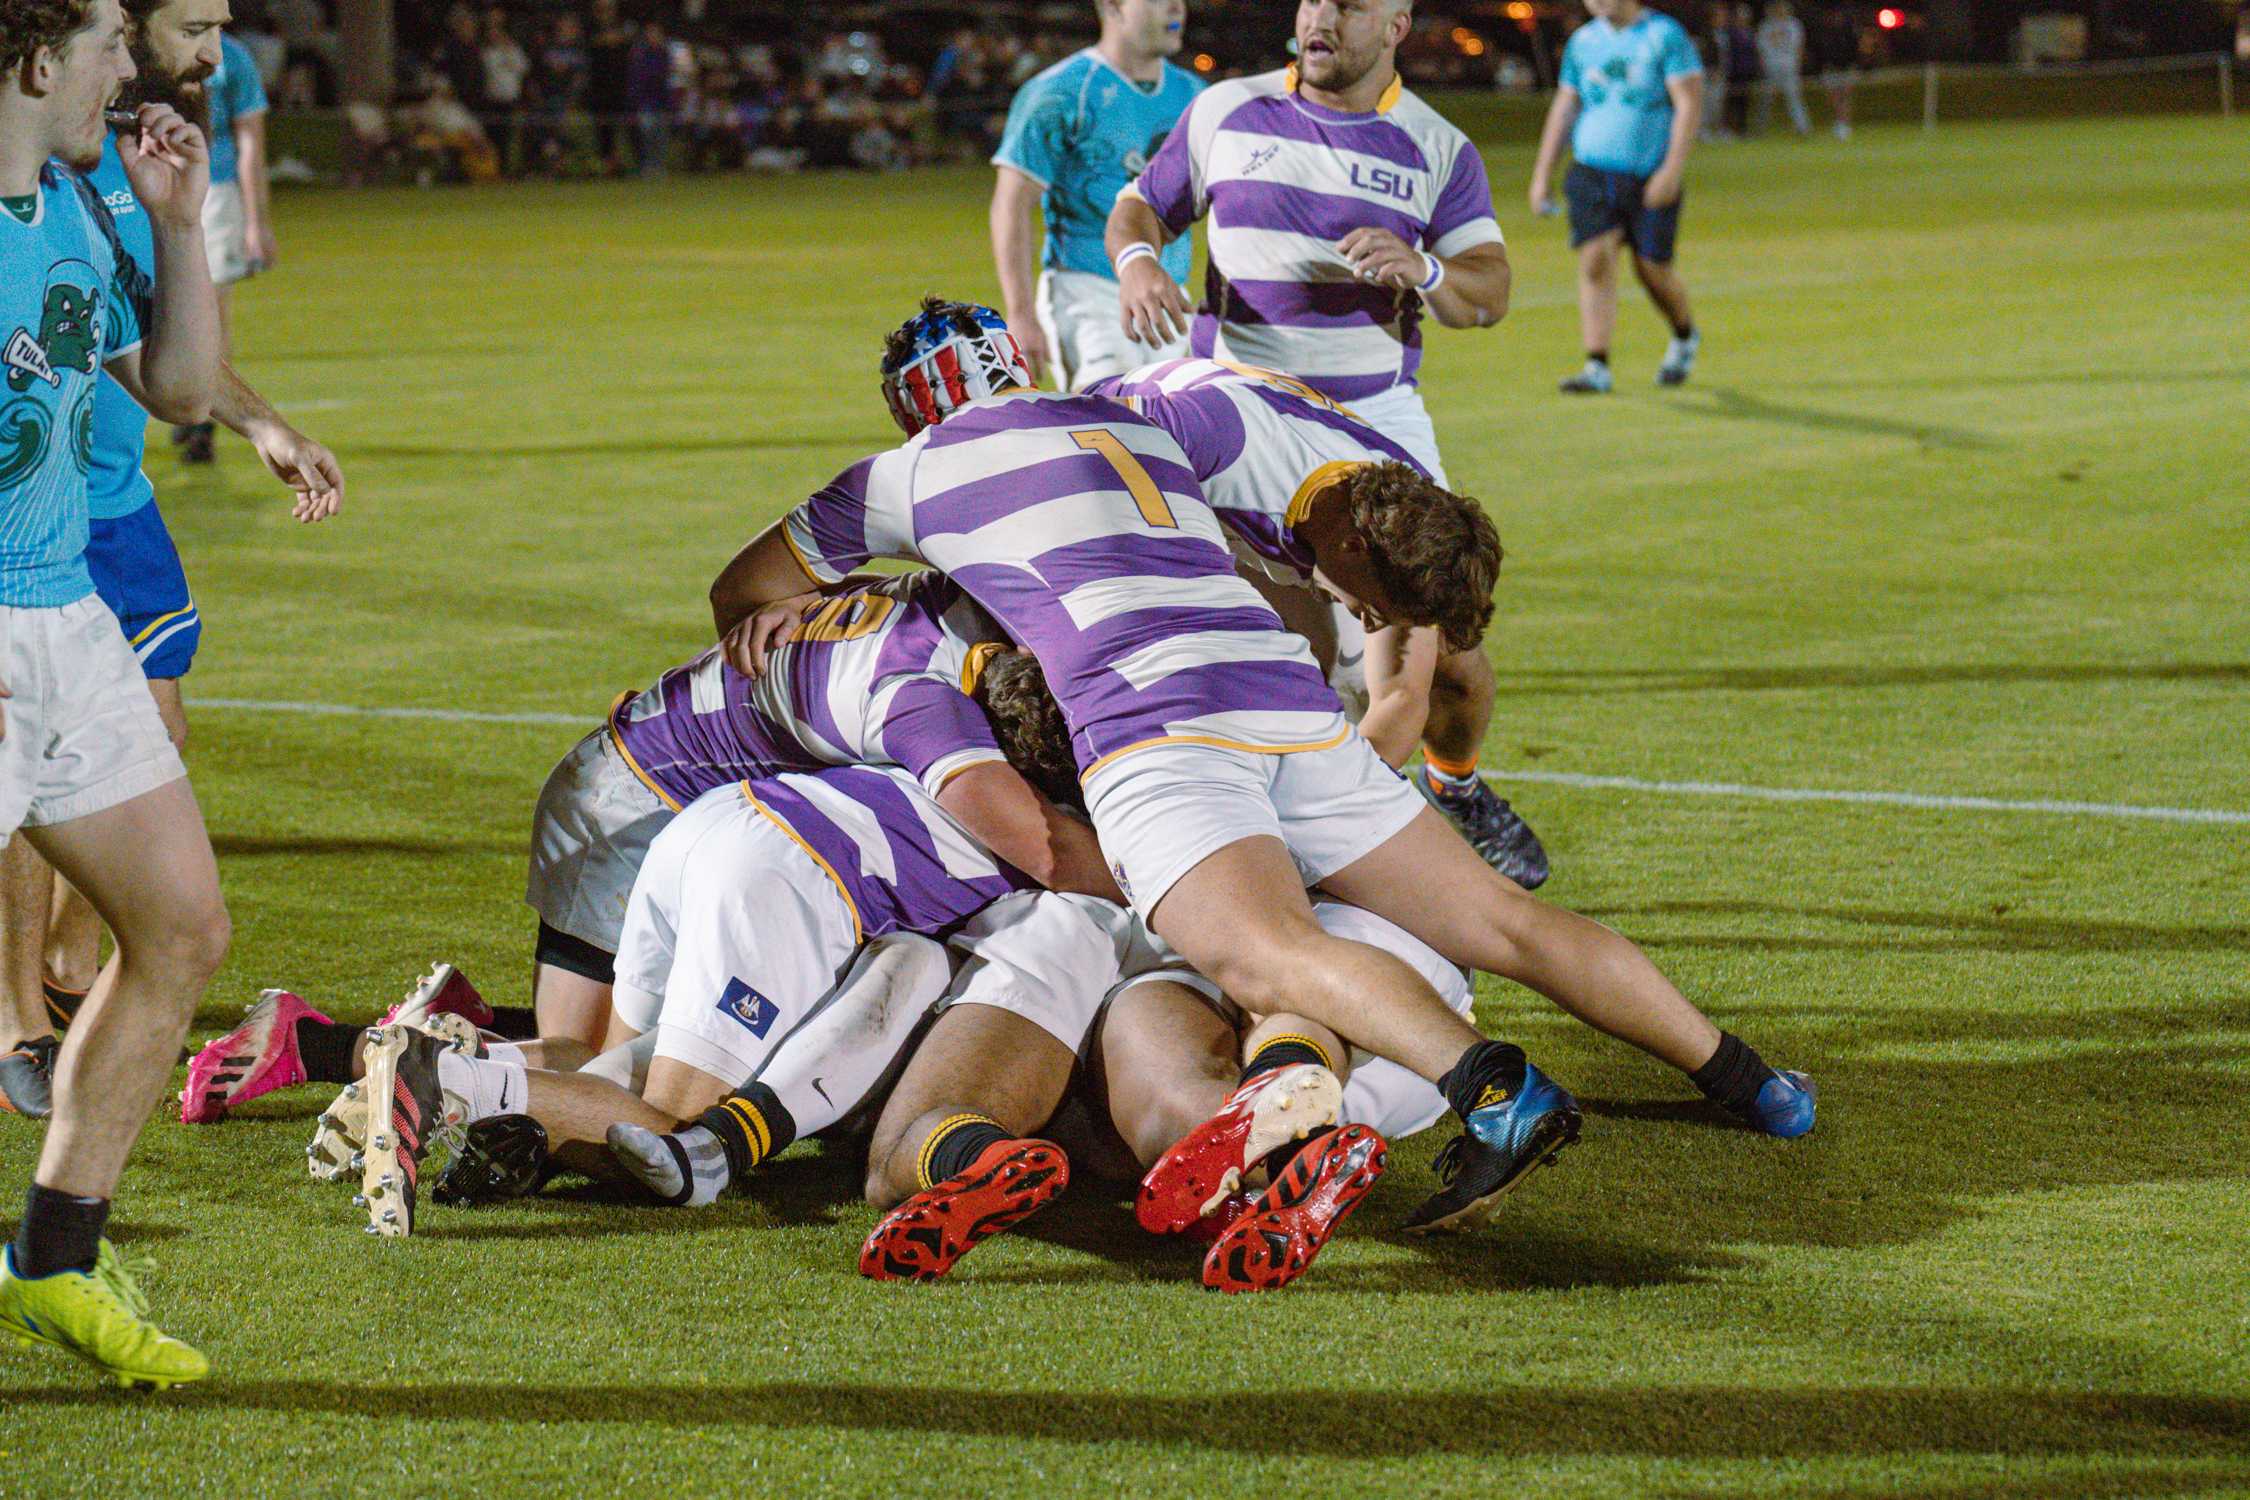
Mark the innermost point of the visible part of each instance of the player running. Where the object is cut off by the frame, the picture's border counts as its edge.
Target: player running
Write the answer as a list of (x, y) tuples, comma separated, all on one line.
[(129, 551), (1630, 102), (1219, 770), (1076, 134), (86, 770), (1341, 209)]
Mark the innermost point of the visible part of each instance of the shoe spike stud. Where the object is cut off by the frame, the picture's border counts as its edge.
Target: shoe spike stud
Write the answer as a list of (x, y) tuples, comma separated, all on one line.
[(359, 1161), (359, 1200)]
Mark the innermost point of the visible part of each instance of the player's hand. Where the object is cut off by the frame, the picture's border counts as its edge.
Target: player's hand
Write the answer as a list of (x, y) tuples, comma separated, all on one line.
[(750, 645), (1542, 195), (305, 466), (1156, 312), (169, 166), (260, 243), (1381, 257), (1662, 190), (1032, 340)]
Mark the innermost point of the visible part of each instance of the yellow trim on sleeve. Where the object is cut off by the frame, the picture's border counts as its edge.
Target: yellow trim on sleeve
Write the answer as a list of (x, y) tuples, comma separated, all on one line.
[(798, 553), (859, 929), (995, 758), (1300, 504), (1217, 744), (617, 740)]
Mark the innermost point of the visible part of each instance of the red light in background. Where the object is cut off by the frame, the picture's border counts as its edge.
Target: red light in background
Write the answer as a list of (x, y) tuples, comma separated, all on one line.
[(1890, 19)]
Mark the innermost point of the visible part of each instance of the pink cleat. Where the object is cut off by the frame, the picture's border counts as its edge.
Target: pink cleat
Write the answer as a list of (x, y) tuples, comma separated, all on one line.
[(444, 991), (254, 1059)]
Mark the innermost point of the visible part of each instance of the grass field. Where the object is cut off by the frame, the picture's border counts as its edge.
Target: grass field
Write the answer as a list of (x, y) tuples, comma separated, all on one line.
[(1955, 506)]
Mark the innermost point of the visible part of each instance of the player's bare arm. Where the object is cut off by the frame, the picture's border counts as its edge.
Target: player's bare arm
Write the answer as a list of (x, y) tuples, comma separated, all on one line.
[(1401, 662), (1155, 310), (1015, 249), (257, 190), (1561, 115), (176, 368), (1469, 290), (297, 461), (1665, 183), (1009, 816)]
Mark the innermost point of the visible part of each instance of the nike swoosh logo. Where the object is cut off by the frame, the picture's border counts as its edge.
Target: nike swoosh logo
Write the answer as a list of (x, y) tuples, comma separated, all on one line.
[(823, 1094)]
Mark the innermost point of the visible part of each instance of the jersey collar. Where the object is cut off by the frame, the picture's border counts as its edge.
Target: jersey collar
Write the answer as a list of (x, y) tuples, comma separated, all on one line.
[(1383, 106)]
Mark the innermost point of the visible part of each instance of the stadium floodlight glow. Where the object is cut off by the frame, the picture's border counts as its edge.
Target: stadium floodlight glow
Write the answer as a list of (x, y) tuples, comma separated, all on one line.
[(1519, 10), (1890, 18), (1205, 62)]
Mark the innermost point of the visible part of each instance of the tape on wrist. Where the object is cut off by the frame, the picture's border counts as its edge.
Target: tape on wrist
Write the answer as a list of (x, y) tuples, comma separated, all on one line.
[(1133, 252), (1436, 278)]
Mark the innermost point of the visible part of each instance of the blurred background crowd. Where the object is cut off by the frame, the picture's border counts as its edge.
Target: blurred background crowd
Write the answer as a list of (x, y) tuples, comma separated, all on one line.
[(601, 87)]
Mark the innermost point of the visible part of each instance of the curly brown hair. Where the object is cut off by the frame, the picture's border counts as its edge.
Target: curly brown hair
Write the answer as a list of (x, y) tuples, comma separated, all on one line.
[(28, 25), (1436, 554), (1012, 691)]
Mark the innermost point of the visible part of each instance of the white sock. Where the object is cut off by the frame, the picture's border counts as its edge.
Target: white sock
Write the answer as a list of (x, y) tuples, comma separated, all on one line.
[(507, 1054), (486, 1088)]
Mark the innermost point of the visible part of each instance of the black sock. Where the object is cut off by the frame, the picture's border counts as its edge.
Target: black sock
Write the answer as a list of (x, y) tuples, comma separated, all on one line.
[(954, 1146), (1281, 1155), (1683, 330), (326, 1050), (1733, 1076), (1598, 356), (1283, 1052), (1488, 1073), (752, 1125), (60, 1232), (62, 1004), (516, 1023)]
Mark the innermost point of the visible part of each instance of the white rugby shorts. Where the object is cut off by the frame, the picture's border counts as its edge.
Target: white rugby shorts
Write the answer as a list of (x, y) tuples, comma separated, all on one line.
[(226, 234), (589, 838), (1163, 810), (1084, 323), (79, 733), (1053, 959)]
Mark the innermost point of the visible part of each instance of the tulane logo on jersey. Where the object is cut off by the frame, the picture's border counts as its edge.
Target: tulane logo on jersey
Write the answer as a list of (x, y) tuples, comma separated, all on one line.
[(68, 338), (1136, 162)]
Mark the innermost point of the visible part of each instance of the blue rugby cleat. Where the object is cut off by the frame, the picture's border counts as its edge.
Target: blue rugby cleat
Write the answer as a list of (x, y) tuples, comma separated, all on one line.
[(1784, 1107), (1506, 1141)]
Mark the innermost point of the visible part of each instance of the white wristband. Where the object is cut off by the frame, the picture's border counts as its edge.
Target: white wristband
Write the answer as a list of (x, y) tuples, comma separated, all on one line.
[(1436, 278), (1133, 252)]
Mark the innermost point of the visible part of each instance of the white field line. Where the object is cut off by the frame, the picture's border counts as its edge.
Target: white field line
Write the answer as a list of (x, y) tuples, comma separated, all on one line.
[(1925, 800)]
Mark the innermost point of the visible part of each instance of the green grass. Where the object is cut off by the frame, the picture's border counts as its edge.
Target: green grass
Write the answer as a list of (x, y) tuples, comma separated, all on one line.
[(1954, 506)]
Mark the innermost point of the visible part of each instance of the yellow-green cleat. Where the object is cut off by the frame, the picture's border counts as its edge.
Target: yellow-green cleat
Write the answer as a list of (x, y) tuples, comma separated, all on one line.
[(102, 1317)]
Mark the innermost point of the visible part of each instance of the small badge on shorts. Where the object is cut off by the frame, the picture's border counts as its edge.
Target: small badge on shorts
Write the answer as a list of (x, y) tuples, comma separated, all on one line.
[(746, 1007)]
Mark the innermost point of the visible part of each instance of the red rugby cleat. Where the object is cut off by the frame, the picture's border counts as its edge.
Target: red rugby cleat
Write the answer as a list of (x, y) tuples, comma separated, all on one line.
[(1194, 1177), (921, 1238), (1273, 1244)]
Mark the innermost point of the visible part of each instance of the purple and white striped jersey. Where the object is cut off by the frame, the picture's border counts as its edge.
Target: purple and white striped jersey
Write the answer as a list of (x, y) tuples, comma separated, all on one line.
[(1283, 180), (1262, 444), (901, 863), (1081, 528), (879, 675)]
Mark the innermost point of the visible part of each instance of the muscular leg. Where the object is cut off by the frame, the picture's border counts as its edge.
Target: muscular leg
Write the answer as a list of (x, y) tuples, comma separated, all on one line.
[(1480, 919), (571, 1007), (24, 883), (1597, 290), (1241, 917), (977, 1059), (74, 933), (577, 1110), (1461, 697), (679, 1091), (1165, 1063), (147, 867), (1665, 289)]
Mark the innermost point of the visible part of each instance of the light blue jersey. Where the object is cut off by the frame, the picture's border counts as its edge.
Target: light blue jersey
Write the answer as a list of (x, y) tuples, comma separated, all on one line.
[(70, 300), (115, 486), (1083, 130), (1620, 73), (236, 91)]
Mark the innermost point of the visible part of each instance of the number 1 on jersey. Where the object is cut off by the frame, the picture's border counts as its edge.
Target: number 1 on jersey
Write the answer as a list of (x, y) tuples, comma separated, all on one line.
[(1143, 489)]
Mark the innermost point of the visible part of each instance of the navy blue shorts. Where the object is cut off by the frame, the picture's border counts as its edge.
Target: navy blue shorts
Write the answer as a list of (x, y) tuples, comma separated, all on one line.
[(1601, 201), (138, 575)]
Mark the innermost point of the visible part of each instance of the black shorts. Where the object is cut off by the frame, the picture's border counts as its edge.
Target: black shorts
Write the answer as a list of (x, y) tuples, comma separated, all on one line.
[(1601, 201)]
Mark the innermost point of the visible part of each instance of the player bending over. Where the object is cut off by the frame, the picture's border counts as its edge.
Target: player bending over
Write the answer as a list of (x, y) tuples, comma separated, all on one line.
[(902, 672), (1217, 765), (87, 773)]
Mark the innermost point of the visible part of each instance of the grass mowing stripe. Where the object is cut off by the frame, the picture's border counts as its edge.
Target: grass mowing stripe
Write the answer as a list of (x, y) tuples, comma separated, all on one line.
[(1927, 800)]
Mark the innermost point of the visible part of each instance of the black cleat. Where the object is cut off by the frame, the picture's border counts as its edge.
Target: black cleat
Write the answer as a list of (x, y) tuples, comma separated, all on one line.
[(27, 1079), (501, 1157), (1495, 830), (1509, 1136)]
